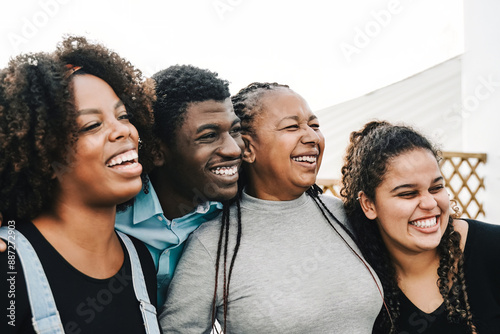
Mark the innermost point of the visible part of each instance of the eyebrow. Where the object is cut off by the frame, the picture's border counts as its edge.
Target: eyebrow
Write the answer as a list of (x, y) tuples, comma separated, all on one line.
[(297, 118), (90, 111), (212, 126), (410, 185)]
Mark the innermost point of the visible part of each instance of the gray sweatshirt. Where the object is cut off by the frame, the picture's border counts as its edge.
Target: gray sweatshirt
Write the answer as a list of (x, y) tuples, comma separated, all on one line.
[(293, 274)]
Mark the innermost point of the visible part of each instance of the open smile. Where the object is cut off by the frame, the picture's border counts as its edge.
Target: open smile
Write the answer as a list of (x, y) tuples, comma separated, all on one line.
[(126, 162), (306, 158), (225, 171), (124, 159), (426, 225)]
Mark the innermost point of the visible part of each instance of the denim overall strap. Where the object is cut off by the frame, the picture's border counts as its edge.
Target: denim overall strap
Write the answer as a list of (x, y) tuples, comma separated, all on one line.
[(46, 319), (147, 309)]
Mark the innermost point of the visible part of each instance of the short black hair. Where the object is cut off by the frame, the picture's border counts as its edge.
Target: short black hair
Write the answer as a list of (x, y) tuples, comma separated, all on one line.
[(177, 87)]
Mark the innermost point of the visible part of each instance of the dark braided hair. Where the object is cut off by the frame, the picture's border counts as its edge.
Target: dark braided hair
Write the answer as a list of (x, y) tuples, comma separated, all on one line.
[(365, 165), (38, 126), (248, 104)]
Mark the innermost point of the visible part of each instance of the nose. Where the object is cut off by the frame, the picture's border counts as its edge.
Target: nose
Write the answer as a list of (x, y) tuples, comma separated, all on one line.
[(231, 147), (119, 130), (310, 136), (428, 202)]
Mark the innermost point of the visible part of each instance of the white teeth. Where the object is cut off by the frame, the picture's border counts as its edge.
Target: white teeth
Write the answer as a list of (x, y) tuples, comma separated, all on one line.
[(307, 158), (229, 171), (425, 223), (127, 156)]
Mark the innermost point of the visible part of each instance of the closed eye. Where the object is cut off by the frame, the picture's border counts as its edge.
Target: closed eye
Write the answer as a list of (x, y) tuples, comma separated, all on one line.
[(90, 127), (407, 194), (208, 136), (436, 189), (236, 131), (125, 116)]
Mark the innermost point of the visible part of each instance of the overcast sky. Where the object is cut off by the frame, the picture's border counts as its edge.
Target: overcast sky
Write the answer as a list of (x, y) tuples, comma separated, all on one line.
[(327, 51)]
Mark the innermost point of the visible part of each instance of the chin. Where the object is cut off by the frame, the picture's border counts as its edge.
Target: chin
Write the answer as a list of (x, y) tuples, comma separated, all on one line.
[(129, 193), (225, 194), (307, 185)]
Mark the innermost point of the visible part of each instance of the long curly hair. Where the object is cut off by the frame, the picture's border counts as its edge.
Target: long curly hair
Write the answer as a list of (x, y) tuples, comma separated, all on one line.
[(365, 164), (38, 127), (176, 88)]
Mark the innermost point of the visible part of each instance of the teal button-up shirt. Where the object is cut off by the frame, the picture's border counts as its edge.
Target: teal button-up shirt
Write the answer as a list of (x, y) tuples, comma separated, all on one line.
[(164, 238)]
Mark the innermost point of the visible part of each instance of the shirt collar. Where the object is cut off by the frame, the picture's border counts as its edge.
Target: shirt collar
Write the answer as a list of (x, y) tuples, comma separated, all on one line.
[(205, 207), (148, 205)]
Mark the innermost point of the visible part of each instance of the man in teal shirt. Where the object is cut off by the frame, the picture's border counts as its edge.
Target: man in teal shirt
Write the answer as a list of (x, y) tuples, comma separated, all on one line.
[(201, 145)]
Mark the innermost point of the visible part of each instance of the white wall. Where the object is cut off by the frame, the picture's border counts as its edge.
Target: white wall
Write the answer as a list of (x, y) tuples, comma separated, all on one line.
[(481, 93), (426, 100)]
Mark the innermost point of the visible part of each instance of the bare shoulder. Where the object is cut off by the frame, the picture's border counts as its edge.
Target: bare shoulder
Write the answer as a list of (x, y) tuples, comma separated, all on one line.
[(462, 227)]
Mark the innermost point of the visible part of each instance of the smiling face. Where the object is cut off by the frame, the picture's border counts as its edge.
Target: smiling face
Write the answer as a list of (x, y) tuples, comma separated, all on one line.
[(411, 204), (204, 159), (284, 152), (103, 169)]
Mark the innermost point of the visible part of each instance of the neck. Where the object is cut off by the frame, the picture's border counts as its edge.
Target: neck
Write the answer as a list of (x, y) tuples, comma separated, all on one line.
[(256, 190), (415, 265), (84, 236), (173, 203), (89, 227)]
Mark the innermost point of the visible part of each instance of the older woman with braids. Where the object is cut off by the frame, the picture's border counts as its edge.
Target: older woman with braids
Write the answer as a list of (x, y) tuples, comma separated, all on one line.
[(278, 260), (439, 273), (68, 156)]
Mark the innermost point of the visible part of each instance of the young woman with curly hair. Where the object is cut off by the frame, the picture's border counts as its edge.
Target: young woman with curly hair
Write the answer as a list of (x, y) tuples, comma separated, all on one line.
[(69, 155), (277, 260), (439, 273)]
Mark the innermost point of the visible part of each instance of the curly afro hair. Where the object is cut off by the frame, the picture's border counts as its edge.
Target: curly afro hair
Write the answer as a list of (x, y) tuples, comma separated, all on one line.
[(38, 127), (178, 86), (128, 83)]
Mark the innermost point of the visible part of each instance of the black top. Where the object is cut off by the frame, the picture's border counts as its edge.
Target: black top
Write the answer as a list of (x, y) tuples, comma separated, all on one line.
[(85, 304), (482, 277)]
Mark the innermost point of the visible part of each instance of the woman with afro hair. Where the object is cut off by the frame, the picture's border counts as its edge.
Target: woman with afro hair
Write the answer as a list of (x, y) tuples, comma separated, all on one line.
[(69, 145), (439, 273)]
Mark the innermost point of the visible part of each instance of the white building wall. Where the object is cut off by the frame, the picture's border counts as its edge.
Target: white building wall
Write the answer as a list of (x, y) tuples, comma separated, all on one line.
[(480, 108), (426, 101)]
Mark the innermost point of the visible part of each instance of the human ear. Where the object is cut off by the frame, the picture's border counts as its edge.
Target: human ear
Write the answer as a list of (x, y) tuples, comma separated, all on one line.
[(159, 154), (248, 151), (367, 206)]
